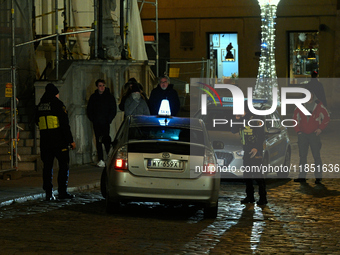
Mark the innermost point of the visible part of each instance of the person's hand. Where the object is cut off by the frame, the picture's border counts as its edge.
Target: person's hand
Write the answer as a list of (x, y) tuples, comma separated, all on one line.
[(253, 152), (238, 117), (318, 131), (73, 145)]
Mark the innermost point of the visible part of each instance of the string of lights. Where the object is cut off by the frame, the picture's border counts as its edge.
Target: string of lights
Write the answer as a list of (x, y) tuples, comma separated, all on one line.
[(266, 77)]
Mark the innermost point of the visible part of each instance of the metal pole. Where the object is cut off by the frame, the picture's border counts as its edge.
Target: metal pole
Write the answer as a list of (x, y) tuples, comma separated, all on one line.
[(56, 40), (166, 68), (50, 36), (100, 30), (14, 142), (202, 68), (127, 27), (157, 40), (95, 30), (122, 18), (208, 68)]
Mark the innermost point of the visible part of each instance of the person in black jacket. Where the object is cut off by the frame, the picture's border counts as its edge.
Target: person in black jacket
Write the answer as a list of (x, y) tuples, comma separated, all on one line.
[(101, 110), (317, 88), (164, 90), (55, 141), (252, 137)]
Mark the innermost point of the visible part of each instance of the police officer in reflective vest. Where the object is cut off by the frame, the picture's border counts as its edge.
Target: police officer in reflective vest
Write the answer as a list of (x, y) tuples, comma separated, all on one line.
[(55, 141)]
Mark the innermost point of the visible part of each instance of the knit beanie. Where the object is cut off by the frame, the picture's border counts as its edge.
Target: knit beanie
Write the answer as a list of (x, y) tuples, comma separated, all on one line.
[(51, 89)]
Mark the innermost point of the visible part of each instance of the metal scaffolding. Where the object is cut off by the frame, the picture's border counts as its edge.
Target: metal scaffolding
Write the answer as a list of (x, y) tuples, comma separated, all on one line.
[(12, 17), (154, 44), (12, 86)]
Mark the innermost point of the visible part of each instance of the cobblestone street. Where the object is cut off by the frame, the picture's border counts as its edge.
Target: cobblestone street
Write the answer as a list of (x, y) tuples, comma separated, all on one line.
[(299, 219)]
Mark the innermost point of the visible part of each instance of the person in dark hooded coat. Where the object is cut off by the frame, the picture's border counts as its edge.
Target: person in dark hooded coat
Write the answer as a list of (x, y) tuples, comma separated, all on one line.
[(101, 110), (164, 90), (55, 141), (135, 104)]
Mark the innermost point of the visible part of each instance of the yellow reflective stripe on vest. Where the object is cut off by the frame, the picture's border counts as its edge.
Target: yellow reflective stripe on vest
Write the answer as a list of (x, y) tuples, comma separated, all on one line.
[(42, 123), (48, 122)]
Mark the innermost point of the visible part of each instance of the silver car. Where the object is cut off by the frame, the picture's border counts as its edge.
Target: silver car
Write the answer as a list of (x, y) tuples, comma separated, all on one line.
[(228, 147), (156, 158)]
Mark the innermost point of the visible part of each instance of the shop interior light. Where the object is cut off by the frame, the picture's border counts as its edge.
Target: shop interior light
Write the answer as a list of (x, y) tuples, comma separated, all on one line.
[(311, 54)]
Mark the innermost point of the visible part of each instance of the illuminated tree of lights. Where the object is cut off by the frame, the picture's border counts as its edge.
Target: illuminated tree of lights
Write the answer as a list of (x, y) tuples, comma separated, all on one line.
[(266, 77)]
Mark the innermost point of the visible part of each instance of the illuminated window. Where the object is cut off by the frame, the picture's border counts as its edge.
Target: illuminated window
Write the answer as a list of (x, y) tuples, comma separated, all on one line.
[(304, 56)]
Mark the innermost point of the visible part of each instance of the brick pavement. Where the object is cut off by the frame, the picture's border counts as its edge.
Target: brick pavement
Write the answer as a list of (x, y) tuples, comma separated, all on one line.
[(299, 219), (29, 186)]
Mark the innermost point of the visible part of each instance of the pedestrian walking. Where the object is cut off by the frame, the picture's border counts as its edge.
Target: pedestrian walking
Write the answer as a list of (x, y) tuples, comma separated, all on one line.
[(101, 110), (135, 104), (252, 138), (317, 88), (55, 141), (164, 90), (126, 91), (308, 129)]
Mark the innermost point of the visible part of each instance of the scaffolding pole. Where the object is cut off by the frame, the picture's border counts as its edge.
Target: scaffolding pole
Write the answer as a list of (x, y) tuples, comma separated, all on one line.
[(13, 140), (154, 44), (56, 40)]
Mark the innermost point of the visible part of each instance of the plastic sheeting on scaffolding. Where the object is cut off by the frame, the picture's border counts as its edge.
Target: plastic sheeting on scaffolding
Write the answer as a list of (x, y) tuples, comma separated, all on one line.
[(135, 37)]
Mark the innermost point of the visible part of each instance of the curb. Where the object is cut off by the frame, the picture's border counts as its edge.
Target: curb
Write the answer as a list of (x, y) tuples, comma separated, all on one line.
[(42, 195)]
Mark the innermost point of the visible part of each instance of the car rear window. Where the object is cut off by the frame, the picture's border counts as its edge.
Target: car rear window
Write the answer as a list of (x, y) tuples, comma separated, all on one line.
[(166, 133)]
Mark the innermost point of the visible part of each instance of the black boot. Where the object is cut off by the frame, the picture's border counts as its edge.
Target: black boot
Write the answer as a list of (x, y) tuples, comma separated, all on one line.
[(262, 201), (49, 196), (65, 195), (247, 200)]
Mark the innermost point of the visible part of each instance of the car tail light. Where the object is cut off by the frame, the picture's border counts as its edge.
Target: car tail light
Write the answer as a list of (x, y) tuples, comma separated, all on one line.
[(121, 159), (209, 163)]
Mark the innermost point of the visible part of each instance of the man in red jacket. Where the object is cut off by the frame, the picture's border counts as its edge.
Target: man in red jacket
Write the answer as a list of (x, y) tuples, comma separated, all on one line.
[(308, 130)]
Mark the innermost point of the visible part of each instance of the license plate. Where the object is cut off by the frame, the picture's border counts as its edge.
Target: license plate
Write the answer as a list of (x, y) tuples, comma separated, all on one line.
[(165, 164)]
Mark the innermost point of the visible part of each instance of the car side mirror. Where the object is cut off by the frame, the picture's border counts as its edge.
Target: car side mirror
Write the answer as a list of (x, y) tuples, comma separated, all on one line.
[(273, 131), (218, 145)]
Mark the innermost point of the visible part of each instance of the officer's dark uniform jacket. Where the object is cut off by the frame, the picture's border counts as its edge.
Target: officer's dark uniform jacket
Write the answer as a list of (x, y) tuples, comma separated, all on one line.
[(52, 119), (251, 136)]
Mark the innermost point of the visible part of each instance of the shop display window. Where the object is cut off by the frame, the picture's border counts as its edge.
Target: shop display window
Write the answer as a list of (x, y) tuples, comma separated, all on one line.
[(304, 56)]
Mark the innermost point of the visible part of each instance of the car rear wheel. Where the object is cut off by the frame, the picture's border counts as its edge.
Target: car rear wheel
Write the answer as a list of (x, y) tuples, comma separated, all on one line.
[(285, 172), (103, 183), (210, 212)]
